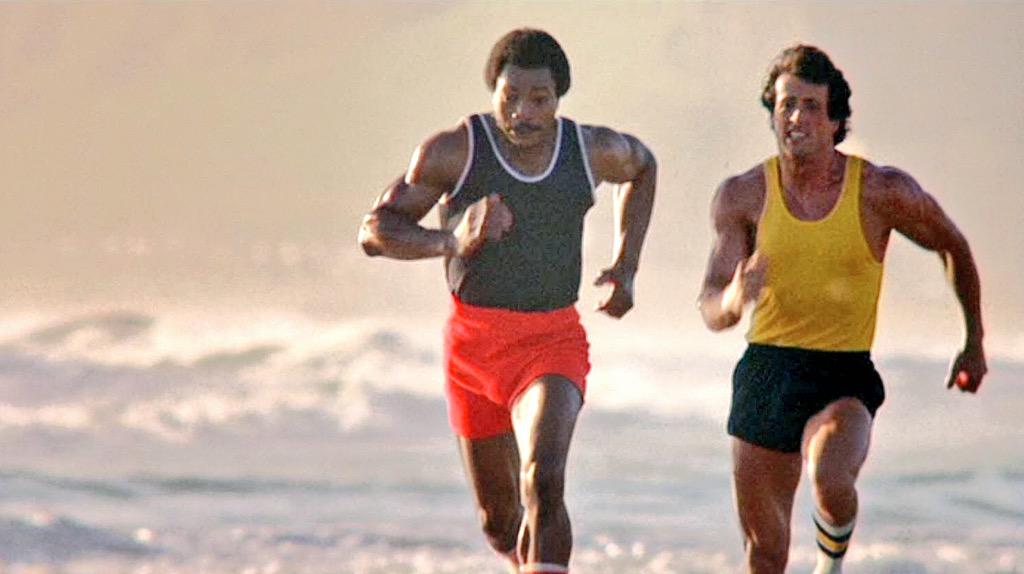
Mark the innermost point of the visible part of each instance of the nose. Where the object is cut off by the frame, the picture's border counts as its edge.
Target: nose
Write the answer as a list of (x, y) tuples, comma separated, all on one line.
[(524, 110), (519, 110), (794, 116)]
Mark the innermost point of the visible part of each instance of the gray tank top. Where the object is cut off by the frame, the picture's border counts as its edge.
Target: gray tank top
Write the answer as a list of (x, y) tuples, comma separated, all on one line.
[(537, 266)]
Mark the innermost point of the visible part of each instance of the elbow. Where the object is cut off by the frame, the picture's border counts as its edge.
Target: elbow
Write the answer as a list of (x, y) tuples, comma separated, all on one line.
[(368, 237), (649, 173), (720, 325), (717, 320), (716, 324)]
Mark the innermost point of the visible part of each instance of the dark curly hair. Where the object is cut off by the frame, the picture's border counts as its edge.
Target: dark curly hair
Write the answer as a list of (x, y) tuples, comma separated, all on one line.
[(528, 48), (812, 65)]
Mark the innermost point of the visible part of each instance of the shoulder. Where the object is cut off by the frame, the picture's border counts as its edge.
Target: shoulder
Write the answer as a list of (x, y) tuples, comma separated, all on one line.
[(885, 184), (883, 180), (894, 195), (606, 141), (741, 194), (442, 156), (615, 156)]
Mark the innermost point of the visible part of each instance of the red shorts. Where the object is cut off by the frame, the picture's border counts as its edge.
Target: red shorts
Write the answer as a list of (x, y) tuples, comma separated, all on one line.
[(492, 355)]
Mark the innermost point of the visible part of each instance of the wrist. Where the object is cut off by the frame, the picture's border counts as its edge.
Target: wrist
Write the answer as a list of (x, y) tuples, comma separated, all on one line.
[(626, 267), (974, 340), (449, 245)]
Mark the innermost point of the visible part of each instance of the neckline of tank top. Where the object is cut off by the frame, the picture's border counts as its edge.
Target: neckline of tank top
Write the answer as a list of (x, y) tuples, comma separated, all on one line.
[(486, 120), (848, 164)]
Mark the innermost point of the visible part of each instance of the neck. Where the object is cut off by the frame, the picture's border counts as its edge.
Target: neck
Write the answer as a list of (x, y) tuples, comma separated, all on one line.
[(530, 155), (810, 173)]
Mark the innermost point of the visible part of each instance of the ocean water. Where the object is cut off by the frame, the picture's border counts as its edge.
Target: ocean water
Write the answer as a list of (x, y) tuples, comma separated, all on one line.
[(143, 444)]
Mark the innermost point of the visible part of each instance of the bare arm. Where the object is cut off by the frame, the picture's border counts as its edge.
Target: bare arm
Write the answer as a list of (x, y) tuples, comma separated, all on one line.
[(734, 275), (392, 227), (915, 214), (623, 159)]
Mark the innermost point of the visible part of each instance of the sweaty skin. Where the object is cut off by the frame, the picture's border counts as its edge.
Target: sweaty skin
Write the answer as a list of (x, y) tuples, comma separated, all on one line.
[(518, 477), (892, 201), (836, 440)]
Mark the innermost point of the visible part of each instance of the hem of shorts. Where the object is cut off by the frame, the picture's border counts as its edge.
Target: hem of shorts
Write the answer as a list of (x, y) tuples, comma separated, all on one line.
[(473, 436), (529, 379), (764, 444)]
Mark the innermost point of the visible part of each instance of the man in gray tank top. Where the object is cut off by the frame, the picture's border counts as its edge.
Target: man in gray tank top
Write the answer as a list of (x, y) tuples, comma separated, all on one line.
[(513, 188)]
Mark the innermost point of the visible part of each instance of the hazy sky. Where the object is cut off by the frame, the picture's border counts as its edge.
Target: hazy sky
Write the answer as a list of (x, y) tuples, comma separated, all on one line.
[(219, 156)]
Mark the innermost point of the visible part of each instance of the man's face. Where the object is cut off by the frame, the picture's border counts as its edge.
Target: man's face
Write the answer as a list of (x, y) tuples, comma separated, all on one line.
[(800, 119), (525, 103)]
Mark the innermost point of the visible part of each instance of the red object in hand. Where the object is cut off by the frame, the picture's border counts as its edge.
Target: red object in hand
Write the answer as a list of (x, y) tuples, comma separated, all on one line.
[(961, 379)]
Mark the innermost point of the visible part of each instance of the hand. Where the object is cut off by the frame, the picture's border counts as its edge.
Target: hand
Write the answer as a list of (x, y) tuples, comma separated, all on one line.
[(968, 369), (621, 299), (489, 219), (747, 282)]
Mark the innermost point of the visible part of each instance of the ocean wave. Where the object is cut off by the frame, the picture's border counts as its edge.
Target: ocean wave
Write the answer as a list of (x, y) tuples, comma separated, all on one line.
[(132, 371), (45, 538), (177, 377)]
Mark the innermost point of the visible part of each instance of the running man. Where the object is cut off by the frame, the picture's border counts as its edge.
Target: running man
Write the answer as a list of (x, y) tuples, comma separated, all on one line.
[(513, 187), (804, 236)]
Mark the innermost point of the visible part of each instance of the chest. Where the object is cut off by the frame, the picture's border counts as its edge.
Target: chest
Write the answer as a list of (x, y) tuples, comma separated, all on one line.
[(813, 206)]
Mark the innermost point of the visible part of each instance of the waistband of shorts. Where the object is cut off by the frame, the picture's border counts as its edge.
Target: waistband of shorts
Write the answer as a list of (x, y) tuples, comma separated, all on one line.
[(473, 312), (812, 354)]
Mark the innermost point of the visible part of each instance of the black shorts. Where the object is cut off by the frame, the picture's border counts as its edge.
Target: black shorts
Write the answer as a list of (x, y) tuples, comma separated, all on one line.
[(776, 390)]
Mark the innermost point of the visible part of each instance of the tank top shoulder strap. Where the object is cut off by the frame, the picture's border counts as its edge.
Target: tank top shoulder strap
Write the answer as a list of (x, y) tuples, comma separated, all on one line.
[(477, 153), (852, 180), (849, 198), (772, 188), (580, 146)]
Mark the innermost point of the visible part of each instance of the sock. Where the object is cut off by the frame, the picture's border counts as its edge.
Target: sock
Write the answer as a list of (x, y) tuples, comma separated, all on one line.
[(832, 544), (543, 568)]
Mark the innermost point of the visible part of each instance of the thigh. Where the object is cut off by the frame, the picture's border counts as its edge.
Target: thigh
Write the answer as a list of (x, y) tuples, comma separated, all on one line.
[(764, 411), (492, 469), (836, 440), (764, 483), (544, 417), (473, 415)]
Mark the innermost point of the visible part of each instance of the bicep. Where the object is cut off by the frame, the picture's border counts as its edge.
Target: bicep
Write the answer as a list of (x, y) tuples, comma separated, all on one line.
[(732, 243), (919, 217), (427, 179), (410, 200)]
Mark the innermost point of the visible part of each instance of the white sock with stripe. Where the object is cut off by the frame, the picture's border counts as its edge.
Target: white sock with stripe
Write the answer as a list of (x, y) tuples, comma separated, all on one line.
[(543, 568), (832, 544)]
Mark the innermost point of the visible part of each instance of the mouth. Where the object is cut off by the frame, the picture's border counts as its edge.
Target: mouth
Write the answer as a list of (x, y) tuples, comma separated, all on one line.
[(524, 129), (796, 136)]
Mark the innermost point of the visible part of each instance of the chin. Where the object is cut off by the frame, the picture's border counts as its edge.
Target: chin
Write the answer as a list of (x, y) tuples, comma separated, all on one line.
[(525, 141), (798, 151)]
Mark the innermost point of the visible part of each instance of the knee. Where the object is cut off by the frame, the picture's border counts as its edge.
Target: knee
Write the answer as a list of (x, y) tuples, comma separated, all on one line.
[(767, 555), (501, 526), (830, 482), (543, 487)]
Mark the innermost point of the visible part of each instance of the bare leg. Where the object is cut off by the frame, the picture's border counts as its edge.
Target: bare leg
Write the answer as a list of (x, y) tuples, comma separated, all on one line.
[(835, 445), (492, 468), (544, 417), (764, 483)]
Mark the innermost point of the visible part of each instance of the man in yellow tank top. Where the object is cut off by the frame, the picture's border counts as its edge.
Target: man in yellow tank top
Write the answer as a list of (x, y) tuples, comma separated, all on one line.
[(803, 236)]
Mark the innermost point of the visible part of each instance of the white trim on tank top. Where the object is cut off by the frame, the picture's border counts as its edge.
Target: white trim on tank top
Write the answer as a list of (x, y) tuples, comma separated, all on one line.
[(469, 160), (586, 160), (513, 171)]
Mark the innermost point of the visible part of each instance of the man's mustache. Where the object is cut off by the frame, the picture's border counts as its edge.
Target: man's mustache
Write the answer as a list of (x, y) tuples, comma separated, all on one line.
[(525, 128)]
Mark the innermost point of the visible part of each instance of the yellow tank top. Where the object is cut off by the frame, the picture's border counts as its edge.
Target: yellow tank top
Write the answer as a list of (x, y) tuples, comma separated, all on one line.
[(821, 290)]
